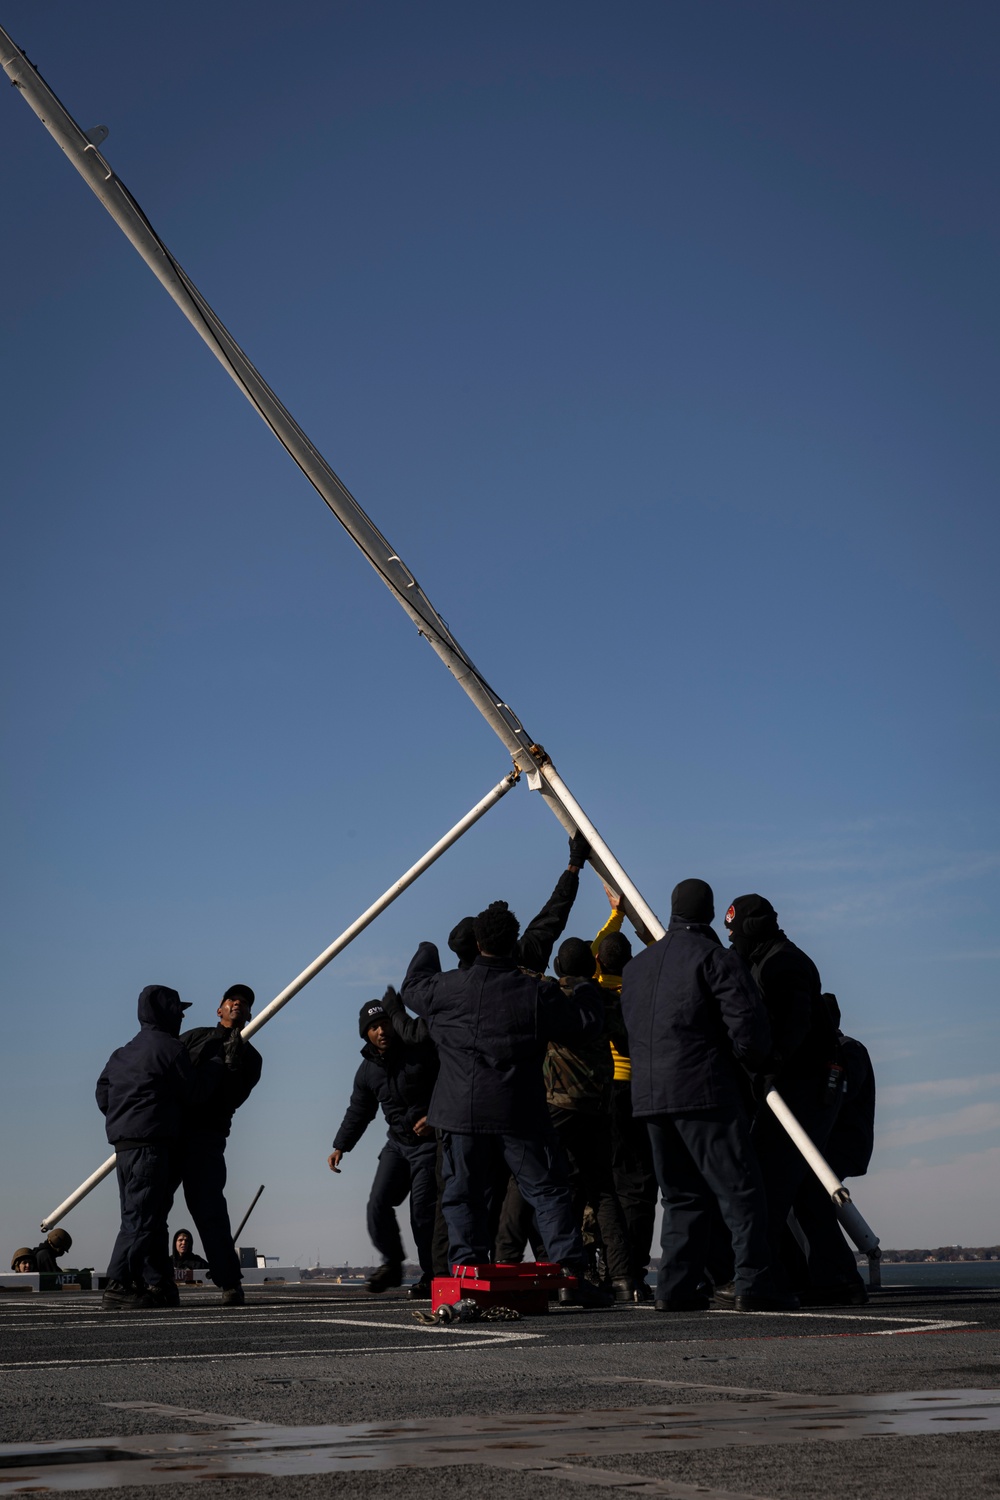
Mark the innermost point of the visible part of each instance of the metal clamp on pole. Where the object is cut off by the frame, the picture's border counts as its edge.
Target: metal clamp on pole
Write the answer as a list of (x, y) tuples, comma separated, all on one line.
[(337, 946), (856, 1227)]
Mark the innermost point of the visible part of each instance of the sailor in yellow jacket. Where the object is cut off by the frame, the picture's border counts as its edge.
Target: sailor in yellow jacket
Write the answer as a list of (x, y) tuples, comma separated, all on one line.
[(631, 1154)]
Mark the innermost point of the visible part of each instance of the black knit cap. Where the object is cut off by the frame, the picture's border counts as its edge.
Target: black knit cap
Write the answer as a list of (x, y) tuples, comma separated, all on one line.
[(462, 940), (575, 960), (496, 930), (614, 953), (750, 920), (693, 901), (372, 1012)]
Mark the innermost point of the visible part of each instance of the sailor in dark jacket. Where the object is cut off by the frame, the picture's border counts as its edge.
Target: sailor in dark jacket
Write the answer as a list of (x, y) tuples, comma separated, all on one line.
[(804, 1068), (693, 1018), (43, 1257), (398, 1079), (848, 1149), (199, 1161), (535, 944), (142, 1093), (491, 1024)]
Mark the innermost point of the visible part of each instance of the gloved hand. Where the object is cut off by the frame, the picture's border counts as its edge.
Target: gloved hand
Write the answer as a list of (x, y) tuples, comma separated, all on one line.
[(392, 1000), (233, 1048), (763, 1083), (579, 849)]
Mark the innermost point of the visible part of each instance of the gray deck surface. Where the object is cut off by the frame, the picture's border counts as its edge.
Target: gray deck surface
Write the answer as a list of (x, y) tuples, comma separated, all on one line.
[(900, 1399)]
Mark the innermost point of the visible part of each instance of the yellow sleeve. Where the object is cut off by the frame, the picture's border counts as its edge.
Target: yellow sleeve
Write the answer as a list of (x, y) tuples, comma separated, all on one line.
[(613, 924)]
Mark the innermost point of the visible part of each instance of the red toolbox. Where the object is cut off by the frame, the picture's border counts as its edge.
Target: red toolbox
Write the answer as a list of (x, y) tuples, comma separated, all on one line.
[(525, 1287)]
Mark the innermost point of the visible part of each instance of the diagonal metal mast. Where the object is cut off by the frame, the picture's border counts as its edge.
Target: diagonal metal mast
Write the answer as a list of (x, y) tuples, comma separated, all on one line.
[(82, 149), (529, 757)]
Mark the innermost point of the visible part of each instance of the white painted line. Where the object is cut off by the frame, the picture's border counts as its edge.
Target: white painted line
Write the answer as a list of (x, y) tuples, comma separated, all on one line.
[(223, 1354), (188, 1413), (456, 1330), (692, 1385)]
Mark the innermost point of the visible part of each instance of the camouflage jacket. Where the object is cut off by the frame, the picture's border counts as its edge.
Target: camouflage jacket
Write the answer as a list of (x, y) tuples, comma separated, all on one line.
[(580, 1077)]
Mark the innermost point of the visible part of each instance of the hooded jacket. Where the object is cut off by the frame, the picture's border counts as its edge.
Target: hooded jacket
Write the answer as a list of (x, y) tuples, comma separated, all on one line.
[(803, 1037), (491, 1024), (693, 1016), (145, 1085), (401, 1081)]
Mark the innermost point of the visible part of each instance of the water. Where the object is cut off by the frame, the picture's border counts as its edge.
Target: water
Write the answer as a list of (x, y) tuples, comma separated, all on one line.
[(979, 1273)]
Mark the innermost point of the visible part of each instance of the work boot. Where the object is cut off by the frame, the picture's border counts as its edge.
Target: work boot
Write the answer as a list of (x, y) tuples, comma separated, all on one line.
[(623, 1291), (694, 1303), (725, 1295), (582, 1292), (643, 1291), (391, 1274), (118, 1297), (843, 1295), (420, 1290), (765, 1302), (233, 1296), (164, 1294)]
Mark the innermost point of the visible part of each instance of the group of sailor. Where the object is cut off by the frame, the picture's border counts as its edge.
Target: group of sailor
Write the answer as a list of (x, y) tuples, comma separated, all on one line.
[(524, 1108)]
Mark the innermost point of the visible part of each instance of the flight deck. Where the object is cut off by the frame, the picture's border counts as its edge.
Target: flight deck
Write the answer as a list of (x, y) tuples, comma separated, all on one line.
[(308, 1392)]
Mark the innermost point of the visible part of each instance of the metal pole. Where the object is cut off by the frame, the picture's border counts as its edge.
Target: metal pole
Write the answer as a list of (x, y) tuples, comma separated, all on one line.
[(243, 1222), (81, 149), (386, 899), (857, 1228), (337, 946), (601, 857), (81, 1192)]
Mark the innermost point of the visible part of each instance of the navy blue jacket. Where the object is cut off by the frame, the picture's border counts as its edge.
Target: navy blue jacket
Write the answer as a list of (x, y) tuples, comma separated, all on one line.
[(491, 1024), (401, 1080), (693, 1015), (146, 1084)]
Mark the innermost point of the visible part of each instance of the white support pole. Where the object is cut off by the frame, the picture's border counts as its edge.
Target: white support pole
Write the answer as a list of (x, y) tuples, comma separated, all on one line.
[(81, 1192), (386, 899), (857, 1228), (337, 946), (601, 857)]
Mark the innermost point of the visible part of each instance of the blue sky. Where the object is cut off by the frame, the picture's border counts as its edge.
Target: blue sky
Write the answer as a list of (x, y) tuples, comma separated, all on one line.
[(661, 341)]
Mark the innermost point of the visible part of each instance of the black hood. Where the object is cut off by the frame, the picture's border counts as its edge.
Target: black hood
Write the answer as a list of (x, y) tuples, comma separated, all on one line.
[(161, 1009), (752, 922)]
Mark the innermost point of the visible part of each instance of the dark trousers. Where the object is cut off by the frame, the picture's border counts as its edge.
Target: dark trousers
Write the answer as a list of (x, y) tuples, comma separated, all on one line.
[(538, 1168), (634, 1175), (199, 1165), (142, 1254), (785, 1174), (704, 1158), (586, 1139), (439, 1238), (830, 1261), (516, 1228), (404, 1170)]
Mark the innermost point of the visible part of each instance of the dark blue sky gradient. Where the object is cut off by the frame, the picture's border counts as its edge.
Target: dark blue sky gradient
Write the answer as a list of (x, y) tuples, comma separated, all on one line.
[(661, 341)]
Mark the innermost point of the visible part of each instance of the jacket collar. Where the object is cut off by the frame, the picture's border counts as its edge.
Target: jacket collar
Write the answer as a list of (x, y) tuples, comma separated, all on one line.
[(681, 924), (495, 963)]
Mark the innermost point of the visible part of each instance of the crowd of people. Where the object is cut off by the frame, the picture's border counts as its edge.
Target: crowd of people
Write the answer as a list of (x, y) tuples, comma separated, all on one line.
[(551, 1111), (524, 1109)]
